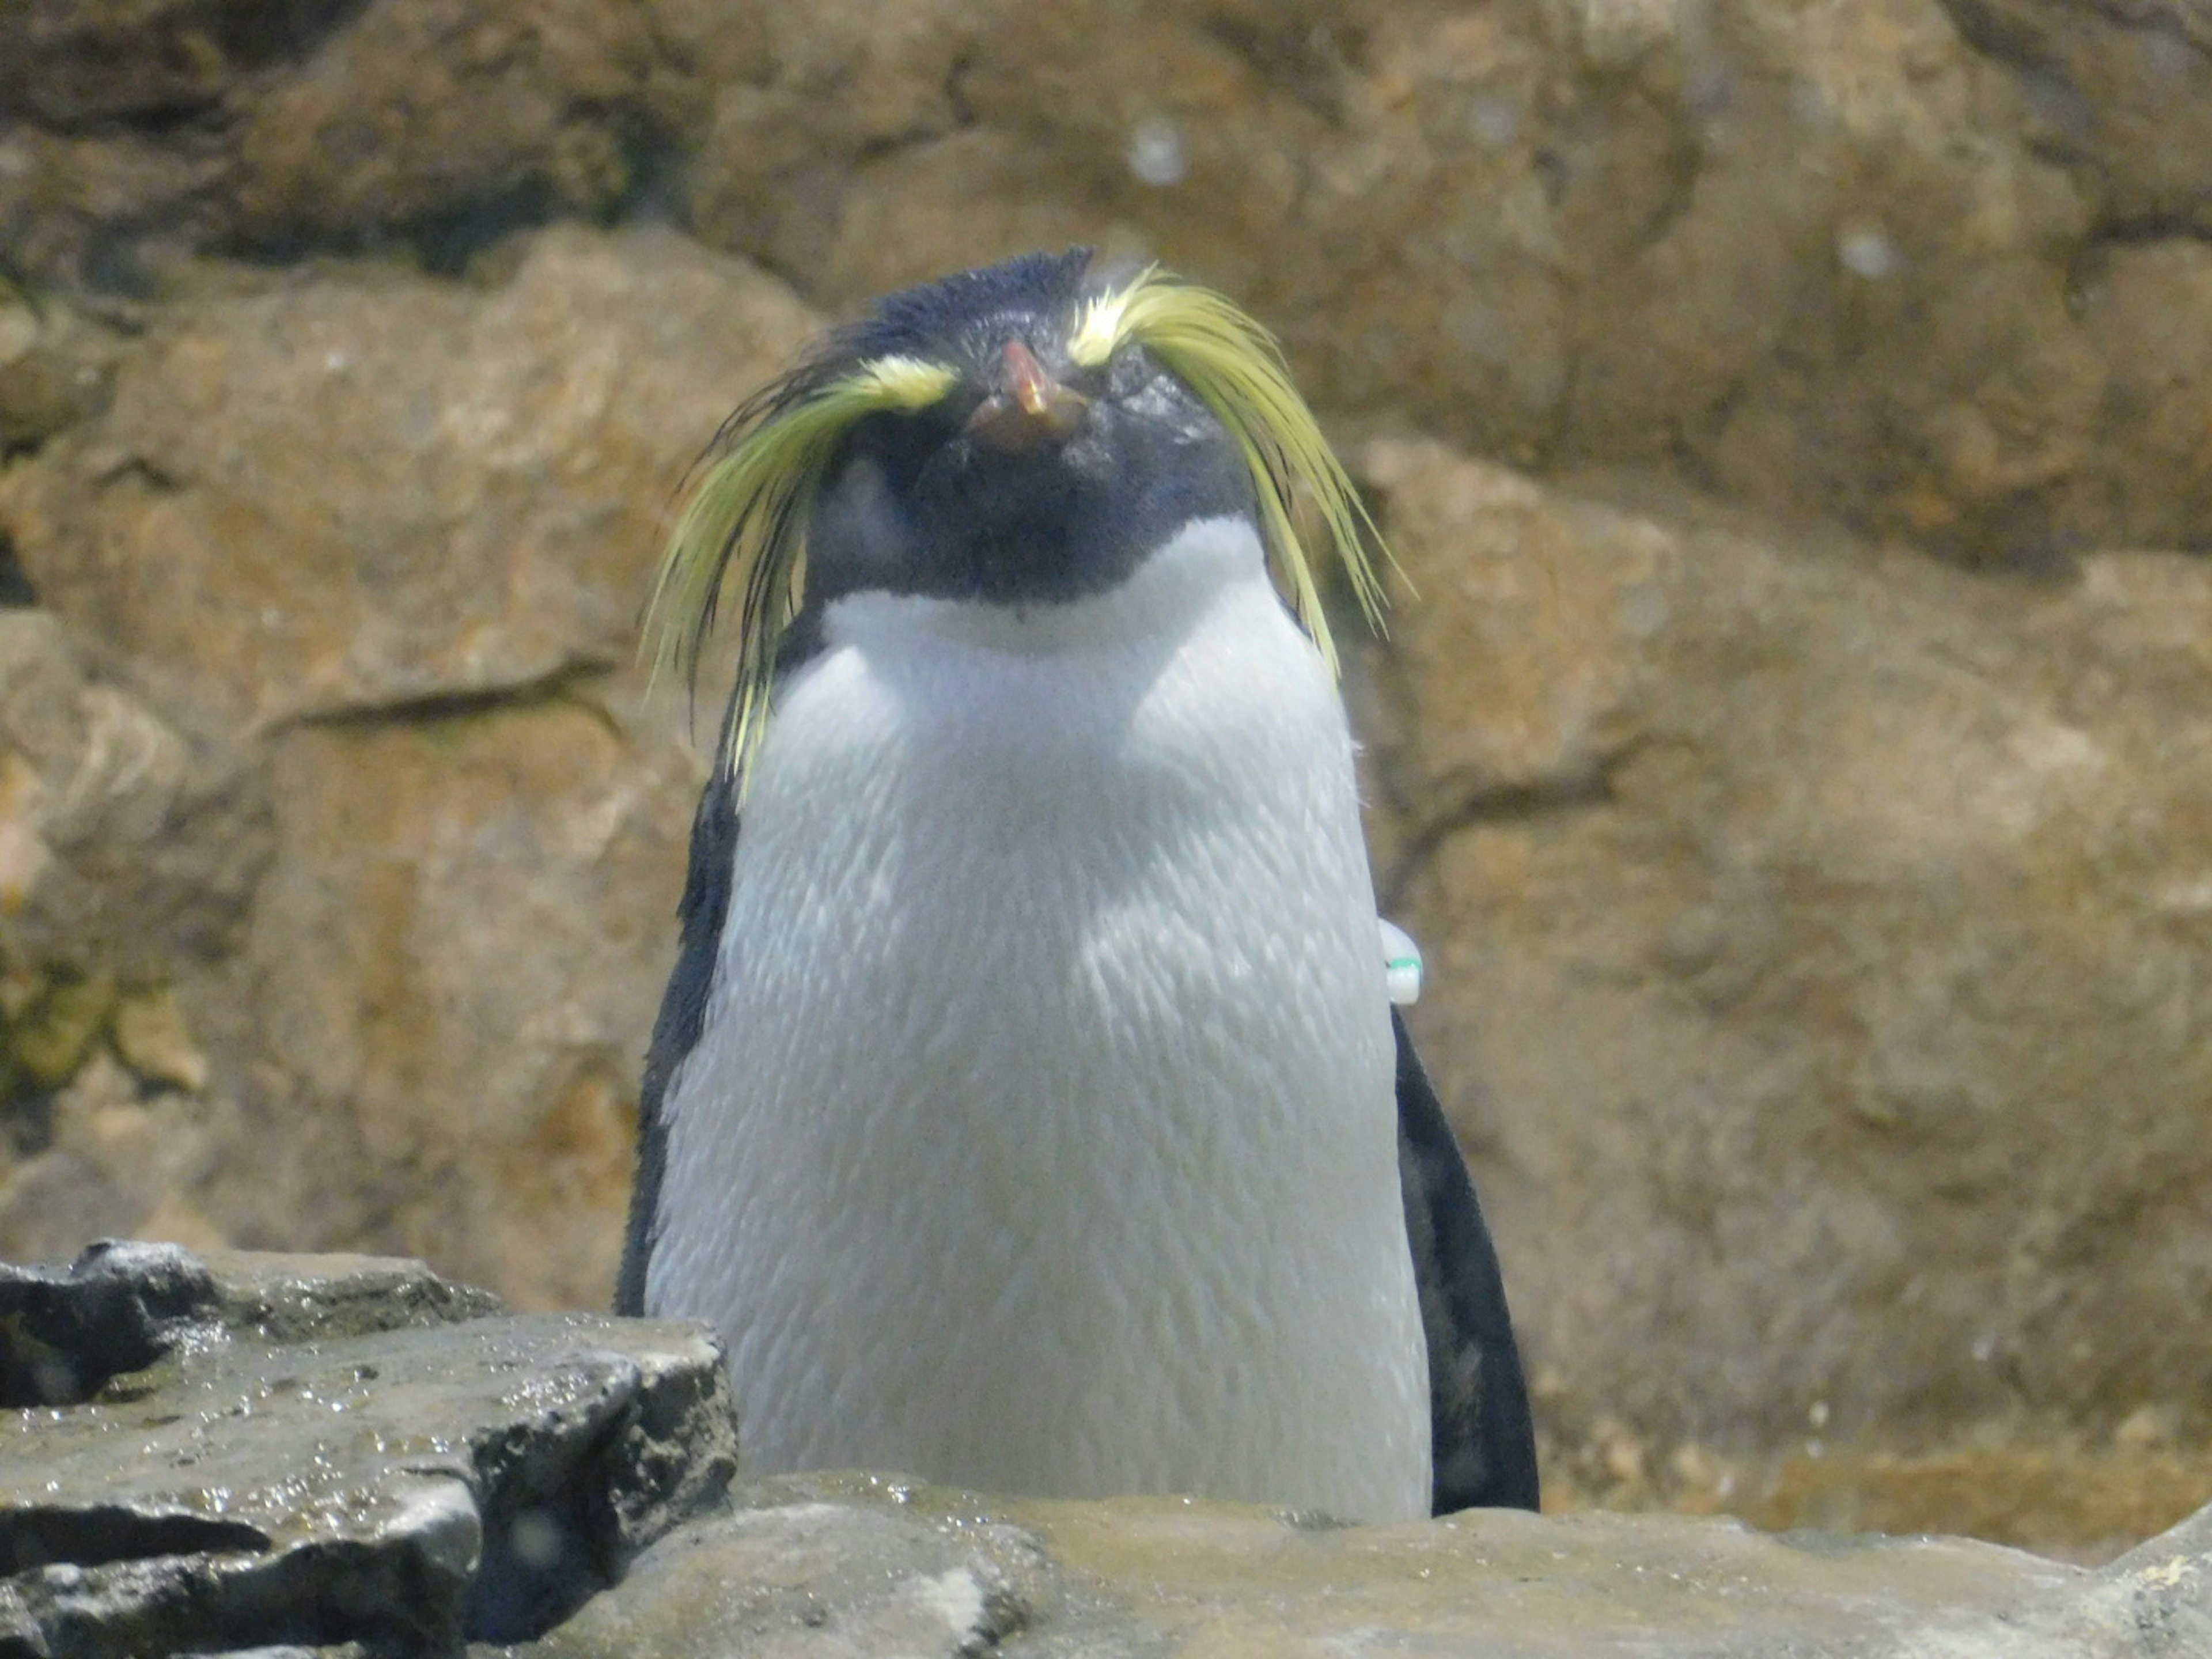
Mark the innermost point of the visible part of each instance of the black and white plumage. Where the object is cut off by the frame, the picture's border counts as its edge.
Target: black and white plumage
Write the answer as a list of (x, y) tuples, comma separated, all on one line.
[(1027, 1109)]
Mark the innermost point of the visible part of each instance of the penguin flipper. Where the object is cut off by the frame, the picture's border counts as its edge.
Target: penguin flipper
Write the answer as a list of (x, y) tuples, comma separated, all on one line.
[(702, 912), (1484, 1447)]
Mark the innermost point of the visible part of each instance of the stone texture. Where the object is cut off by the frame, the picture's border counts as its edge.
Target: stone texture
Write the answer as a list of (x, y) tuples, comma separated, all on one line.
[(1814, 941), (470, 910), (408, 636), (1741, 239), (2121, 91), (477, 511), (122, 1306), (277, 1457), (125, 841), (448, 120), (849, 1566), (1827, 255), (275, 1450), (129, 852), (55, 366)]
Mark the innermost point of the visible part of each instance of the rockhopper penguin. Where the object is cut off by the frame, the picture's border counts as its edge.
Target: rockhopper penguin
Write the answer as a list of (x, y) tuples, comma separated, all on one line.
[(1027, 1109)]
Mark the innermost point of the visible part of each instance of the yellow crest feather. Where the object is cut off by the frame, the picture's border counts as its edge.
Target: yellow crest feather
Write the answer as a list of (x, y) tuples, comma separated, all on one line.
[(1237, 369), (748, 513)]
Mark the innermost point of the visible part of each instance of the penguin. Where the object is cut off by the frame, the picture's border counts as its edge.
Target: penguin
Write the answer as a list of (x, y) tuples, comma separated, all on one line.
[(1028, 1110)]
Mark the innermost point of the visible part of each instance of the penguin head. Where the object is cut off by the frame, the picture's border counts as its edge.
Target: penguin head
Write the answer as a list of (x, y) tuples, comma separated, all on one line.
[(1047, 469), (1024, 434)]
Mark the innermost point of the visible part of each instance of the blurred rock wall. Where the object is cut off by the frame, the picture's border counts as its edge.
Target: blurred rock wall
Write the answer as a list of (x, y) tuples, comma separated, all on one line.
[(1794, 417)]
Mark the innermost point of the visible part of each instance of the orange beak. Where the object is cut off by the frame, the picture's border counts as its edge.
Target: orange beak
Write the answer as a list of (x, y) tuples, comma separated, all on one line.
[(1030, 411)]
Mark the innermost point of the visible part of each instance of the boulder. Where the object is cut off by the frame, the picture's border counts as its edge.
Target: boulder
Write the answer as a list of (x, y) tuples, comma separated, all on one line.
[(326, 497), (1816, 941), (861, 1564), (239, 1451), (403, 646), (1829, 256)]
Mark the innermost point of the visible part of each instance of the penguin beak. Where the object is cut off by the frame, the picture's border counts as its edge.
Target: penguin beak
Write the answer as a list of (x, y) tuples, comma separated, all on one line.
[(1029, 412)]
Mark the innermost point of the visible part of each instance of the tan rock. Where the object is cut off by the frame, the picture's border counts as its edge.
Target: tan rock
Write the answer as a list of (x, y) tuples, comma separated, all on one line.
[(842, 1564), (447, 119), (2119, 92), (1839, 1042), (453, 966), (154, 1035), (125, 843), (116, 1163), (479, 506), (1827, 256), (2148, 307)]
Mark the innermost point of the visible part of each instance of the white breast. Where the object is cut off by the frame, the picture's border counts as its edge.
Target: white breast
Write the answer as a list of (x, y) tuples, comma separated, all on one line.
[(1042, 1135)]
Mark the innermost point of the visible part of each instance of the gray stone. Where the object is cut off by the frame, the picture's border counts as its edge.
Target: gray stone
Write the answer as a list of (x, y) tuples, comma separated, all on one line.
[(314, 1454), (853, 1565), (349, 1458), (123, 1305)]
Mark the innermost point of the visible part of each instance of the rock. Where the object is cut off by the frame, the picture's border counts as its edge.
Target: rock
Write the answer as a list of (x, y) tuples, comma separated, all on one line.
[(154, 1038), (2147, 307), (854, 1564), (127, 842), (356, 1459), (1811, 935), (55, 368), (1814, 932), (128, 849), (116, 1153), (73, 65), (426, 671), (452, 971), (539, 425), (1827, 256), (269, 1456), (446, 120), (2119, 92), (1740, 238), (123, 1306)]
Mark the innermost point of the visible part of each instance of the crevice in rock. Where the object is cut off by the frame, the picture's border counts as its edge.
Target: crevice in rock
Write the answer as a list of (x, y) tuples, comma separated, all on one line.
[(548, 1541), (1294, 52), (35, 1538), (470, 224), (2151, 228), (430, 708), (1492, 804), (16, 592)]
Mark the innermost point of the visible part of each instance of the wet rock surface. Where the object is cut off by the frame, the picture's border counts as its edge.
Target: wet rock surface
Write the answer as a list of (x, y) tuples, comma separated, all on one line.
[(350, 1457), (243, 1450), (866, 1565)]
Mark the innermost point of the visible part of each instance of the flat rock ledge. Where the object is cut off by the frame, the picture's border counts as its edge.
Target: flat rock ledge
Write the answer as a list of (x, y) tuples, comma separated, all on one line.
[(350, 1457)]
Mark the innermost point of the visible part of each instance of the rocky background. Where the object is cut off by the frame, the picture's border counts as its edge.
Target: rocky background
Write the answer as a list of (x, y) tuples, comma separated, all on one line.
[(1795, 419)]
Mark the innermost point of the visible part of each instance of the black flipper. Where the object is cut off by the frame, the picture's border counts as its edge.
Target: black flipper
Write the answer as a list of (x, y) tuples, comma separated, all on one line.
[(705, 905), (1485, 1444)]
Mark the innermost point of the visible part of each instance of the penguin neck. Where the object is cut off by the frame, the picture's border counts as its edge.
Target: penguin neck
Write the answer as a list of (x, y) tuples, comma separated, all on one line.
[(1159, 603)]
